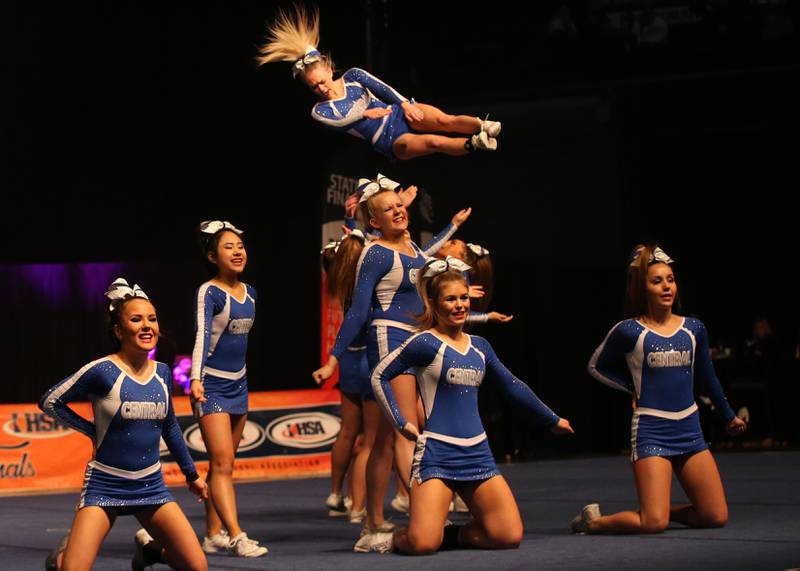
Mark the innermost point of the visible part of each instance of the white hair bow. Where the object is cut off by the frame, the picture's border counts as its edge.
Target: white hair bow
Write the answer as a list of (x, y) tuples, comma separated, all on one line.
[(357, 233), (214, 226), (312, 55), (367, 187), (332, 244), (657, 255), (478, 250), (434, 267), (119, 289)]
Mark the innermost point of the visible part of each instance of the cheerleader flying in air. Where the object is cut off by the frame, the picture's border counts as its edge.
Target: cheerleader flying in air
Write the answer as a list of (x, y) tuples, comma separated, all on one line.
[(656, 356), (359, 103)]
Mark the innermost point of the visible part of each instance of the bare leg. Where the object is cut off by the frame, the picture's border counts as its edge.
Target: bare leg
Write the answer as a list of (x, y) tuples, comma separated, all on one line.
[(169, 527), (426, 523), (413, 145), (352, 484), (496, 522), (402, 486), (700, 480), (89, 528), (379, 469), (343, 447), (436, 120), (213, 521), (372, 418), (222, 433), (653, 477)]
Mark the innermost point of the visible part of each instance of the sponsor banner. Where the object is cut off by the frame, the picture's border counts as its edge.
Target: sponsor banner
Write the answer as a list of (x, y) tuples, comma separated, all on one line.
[(288, 434), (38, 453)]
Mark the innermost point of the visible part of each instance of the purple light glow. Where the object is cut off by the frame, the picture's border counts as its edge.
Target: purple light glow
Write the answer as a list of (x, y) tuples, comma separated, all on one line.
[(180, 372), (51, 281), (59, 285), (95, 279)]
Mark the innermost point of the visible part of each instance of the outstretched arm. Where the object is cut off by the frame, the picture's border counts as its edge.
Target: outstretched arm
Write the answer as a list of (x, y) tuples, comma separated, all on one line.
[(435, 244), (494, 316), (439, 240), (521, 394), (707, 377)]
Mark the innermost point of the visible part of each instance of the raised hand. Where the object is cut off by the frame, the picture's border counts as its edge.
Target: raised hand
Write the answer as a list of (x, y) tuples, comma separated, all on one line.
[(407, 195), (562, 427), (461, 216)]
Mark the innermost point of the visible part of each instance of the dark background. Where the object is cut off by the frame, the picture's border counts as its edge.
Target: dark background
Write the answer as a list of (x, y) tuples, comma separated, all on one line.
[(124, 124)]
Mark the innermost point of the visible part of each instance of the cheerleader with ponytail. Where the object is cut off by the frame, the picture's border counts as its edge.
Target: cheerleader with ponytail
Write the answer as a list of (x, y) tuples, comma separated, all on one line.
[(359, 103), (452, 452)]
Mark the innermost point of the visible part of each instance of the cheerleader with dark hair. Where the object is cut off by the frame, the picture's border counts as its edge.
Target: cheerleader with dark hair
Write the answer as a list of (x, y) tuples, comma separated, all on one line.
[(131, 398), (225, 309)]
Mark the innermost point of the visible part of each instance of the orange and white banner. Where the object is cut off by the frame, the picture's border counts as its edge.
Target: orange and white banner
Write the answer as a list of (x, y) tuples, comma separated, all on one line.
[(288, 434), (332, 317)]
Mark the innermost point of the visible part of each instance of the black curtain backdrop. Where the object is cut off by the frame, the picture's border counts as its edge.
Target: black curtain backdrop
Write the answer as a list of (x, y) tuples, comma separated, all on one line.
[(125, 124)]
